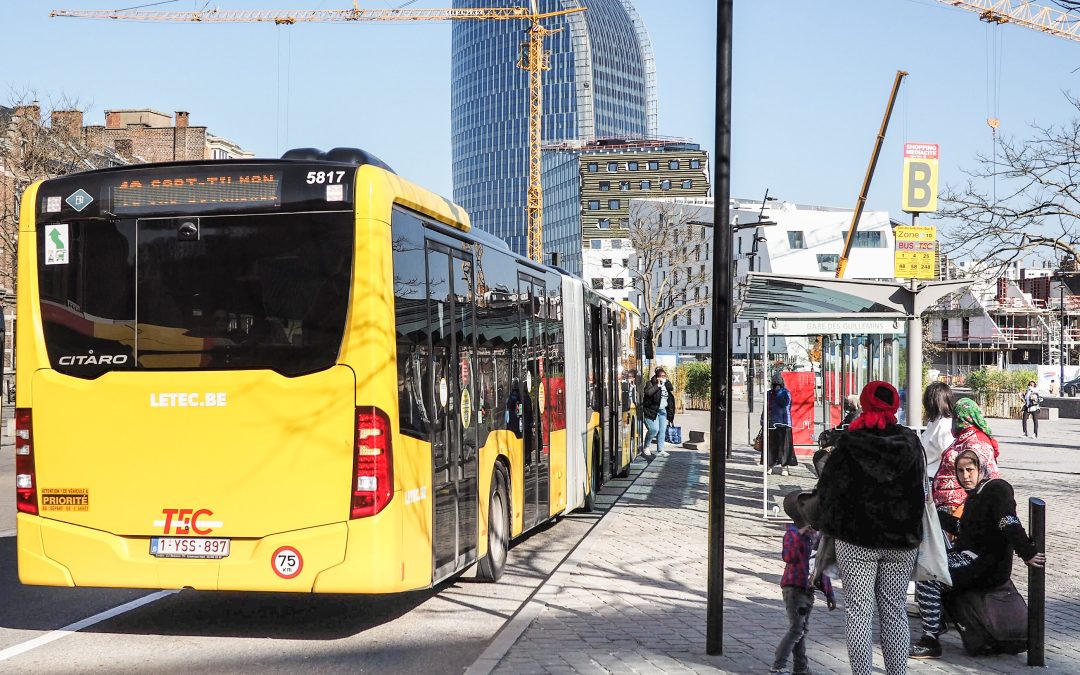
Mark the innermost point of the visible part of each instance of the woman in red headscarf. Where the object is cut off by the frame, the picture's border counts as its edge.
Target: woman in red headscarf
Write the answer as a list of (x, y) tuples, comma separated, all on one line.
[(870, 500)]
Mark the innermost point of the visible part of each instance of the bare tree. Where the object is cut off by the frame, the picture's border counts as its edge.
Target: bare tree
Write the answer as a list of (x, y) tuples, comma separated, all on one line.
[(35, 143), (1023, 199), (668, 234)]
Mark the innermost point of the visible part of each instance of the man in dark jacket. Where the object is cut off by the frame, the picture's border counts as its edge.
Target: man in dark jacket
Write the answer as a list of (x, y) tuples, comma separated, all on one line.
[(658, 409)]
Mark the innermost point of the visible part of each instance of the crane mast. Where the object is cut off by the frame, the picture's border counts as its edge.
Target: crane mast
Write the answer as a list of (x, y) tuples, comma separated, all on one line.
[(534, 60)]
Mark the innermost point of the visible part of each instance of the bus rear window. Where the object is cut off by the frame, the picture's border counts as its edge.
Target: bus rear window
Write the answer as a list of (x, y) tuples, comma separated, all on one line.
[(218, 293)]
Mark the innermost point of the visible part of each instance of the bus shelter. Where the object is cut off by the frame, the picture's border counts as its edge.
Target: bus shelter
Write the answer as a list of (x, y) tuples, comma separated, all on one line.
[(863, 330)]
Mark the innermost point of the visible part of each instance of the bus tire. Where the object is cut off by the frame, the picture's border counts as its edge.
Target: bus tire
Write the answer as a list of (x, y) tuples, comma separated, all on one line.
[(493, 564)]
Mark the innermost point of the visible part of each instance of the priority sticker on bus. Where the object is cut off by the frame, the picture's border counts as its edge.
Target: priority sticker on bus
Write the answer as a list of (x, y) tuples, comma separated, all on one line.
[(287, 562)]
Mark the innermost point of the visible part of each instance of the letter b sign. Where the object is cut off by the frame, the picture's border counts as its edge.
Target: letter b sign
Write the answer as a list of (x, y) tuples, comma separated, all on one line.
[(920, 185)]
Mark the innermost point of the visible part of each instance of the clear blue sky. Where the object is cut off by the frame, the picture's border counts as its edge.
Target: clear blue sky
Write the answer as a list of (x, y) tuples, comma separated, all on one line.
[(811, 81), (384, 88)]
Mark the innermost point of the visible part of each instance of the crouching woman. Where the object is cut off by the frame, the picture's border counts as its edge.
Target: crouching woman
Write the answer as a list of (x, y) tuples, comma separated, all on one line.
[(987, 534)]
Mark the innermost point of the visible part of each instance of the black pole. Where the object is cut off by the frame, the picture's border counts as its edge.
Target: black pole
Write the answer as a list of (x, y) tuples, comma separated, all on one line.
[(1061, 342), (721, 330), (1036, 652)]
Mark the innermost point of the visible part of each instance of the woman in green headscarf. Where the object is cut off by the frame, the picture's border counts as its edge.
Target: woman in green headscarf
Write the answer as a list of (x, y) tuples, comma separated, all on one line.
[(970, 432)]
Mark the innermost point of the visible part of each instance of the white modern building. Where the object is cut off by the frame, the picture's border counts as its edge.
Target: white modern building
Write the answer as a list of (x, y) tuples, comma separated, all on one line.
[(804, 240), (686, 336)]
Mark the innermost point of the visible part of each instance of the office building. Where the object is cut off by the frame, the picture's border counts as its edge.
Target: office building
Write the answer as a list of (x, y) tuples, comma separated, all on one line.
[(601, 85)]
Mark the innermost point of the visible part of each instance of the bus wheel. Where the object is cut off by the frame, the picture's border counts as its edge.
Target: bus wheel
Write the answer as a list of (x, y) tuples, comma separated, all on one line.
[(493, 564)]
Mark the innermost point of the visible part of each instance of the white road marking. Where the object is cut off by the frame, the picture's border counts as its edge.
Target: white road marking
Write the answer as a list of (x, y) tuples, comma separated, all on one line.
[(52, 636)]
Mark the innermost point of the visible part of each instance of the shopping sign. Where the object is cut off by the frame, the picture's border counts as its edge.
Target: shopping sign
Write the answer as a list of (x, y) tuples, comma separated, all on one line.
[(916, 252), (920, 177)]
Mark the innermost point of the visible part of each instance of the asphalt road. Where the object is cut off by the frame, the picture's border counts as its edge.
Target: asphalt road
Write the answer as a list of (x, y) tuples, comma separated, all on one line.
[(436, 631)]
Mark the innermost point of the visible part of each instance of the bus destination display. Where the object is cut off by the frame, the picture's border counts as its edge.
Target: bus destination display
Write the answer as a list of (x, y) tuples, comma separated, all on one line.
[(150, 194)]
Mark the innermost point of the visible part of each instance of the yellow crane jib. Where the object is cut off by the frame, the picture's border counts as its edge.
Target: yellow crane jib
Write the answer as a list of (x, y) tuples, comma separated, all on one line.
[(841, 265), (533, 59)]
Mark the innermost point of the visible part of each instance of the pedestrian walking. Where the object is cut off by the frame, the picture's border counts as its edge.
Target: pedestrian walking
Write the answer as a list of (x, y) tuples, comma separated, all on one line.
[(658, 407), (1031, 404), (778, 409), (799, 540), (870, 499)]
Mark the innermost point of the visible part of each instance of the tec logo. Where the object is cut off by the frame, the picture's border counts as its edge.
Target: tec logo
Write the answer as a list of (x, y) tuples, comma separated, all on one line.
[(186, 521)]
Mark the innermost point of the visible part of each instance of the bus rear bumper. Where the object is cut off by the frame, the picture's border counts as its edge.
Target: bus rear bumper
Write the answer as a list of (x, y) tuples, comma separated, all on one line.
[(52, 553)]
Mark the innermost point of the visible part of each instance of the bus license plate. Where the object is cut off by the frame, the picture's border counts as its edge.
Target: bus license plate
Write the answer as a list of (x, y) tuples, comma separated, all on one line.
[(188, 547)]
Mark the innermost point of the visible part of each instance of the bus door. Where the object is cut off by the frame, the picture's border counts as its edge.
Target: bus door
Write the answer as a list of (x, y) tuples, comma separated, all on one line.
[(535, 459), (605, 363), (453, 438)]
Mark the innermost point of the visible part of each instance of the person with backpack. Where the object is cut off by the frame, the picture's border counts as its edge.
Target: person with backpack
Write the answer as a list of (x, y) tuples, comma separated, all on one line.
[(987, 535), (1032, 403)]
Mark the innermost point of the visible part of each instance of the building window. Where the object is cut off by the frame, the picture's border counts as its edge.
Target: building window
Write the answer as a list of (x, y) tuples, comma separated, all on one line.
[(592, 167), (660, 340), (605, 185), (612, 167), (604, 223), (868, 240), (596, 243), (654, 165), (687, 184), (795, 239), (606, 262), (965, 328), (624, 185), (598, 284), (944, 330), (631, 166), (701, 314), (646, 185), (695, 164), (827, 262), (624, 223), (683, 336), (673, 165), (626, 262), (613, 203), (617, 282), (616, 243), (665, 185), (594, 204)]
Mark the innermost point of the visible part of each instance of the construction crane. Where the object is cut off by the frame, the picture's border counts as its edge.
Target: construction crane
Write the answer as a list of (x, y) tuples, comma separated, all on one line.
[(533, 59), (1031, 15)]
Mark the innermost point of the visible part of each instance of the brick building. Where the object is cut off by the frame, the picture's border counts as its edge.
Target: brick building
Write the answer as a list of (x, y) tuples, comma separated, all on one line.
[(145, 135)]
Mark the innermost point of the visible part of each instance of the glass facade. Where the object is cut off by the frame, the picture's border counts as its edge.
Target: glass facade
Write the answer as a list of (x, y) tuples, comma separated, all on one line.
[(601, 84)]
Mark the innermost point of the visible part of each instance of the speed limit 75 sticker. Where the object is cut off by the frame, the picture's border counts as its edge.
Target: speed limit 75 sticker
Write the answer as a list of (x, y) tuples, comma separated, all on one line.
[(287, 562)]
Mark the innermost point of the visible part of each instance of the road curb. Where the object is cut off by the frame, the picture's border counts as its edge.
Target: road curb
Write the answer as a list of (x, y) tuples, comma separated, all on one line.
[(509, 634)]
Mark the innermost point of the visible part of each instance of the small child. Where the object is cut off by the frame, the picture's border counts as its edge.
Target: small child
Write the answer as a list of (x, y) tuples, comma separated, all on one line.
[(799, 540)]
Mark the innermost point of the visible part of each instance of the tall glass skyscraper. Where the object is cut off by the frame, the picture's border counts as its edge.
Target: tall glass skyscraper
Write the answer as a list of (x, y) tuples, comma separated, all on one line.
[(602, 84)]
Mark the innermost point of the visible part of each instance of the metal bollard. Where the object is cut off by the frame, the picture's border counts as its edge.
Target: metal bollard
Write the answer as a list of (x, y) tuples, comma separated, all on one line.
[(1036, 652)]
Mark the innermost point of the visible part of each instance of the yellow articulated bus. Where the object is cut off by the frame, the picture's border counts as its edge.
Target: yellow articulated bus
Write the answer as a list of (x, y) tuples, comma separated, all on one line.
[(304, 374)]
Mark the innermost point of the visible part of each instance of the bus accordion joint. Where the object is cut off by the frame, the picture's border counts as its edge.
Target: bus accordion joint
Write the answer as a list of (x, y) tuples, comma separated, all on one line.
[(25, 478), (373, 477)]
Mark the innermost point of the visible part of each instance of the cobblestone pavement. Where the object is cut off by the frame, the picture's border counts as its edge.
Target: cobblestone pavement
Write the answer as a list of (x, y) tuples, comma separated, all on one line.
[(633, 597)]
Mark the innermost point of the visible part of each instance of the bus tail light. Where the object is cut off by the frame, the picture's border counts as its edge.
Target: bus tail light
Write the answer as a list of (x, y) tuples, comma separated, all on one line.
[(373, 477), (25, 479)]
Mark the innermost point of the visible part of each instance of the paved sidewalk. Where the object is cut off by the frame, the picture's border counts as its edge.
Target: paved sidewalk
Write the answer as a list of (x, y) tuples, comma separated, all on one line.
[(633, 597)]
